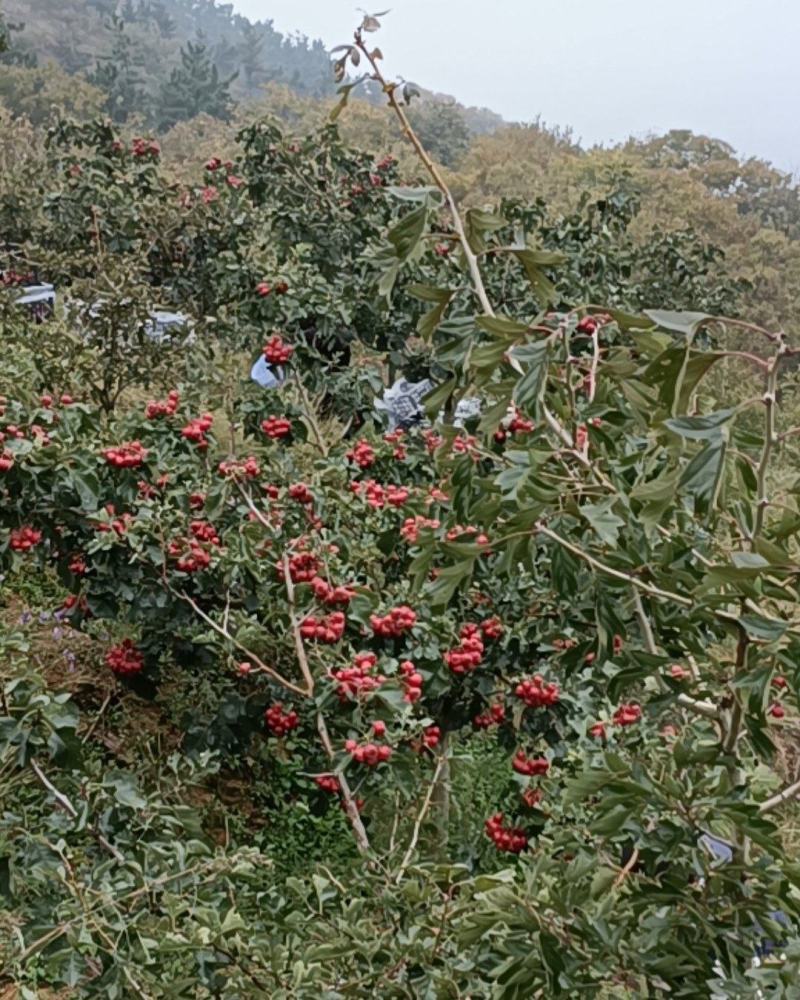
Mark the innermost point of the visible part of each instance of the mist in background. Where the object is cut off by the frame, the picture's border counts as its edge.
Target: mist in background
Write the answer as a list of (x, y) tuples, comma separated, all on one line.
[(607, 68)]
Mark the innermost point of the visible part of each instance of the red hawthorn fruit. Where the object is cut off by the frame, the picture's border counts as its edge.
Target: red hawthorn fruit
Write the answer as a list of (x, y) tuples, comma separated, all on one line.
[(328, 783), (362, 454), (6, 460), (125, 659), (328, 629), (276, 351), (442, 249), (213, 164), (523, 764), (536, 692), (617, 644), (263, 289), (494, 717), (779, 681), (468, 654), (46, 401), (279, 722), (679, 673), (371, 754), (395, 623), (66, 400), (301, 493), (412, 682), (588, 324), (281, 287), (581, 437), (505, 838), (24, 539), (627, 715), (413, 525), (598, 730), (126, 456), (776, 710), (359, 679), (431, 736), (276, 427), (379, 728), (244, 668)]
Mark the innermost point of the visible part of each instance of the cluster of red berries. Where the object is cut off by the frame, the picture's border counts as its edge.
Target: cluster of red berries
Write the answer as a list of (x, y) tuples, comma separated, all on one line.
[(442, 249), (378, 496), (459, 530), (412, 682), (494, 717), (191, 555), (127, 456), (13, 431), (431, 737), (72, 603), (125, 659), (276, 351), (303, 567), (469, 653), (163, 408), (395, 623), (359, 678), (432, 440), (24, 539), (149, 490), (523, 764), (627, 715), (396, 438), (6, 460), (536, 692), (328, 783), (329, 595), (276, 427), (413, 525), (301, 493), (196, 430), (247, 469), (370, 754), (204, 532), (466, 444), (329, 628), (77, 566), (363, 454), (145, 147), (279, 722), (517, 425), (587, 325), (264, 289), (505, 838)]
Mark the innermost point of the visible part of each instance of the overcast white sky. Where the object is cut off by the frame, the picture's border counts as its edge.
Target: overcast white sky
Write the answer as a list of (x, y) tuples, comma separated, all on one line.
[(608, 68)]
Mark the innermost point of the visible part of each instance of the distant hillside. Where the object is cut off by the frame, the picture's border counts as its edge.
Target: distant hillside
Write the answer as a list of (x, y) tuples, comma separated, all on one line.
[(166, 61)]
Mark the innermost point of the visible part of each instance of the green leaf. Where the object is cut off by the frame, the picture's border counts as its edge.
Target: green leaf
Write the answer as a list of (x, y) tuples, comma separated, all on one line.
[(502, 326), (700, 428), (758, 627), (405, 235), (437, 397), (440, 297), (448, 580), (603, 520), (701, 476), (542, 286), (125, 790), (529, 388), (687, 323)]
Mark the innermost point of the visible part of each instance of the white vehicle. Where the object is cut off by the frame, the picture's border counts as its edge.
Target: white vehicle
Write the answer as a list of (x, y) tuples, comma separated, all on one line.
[(40, 301)]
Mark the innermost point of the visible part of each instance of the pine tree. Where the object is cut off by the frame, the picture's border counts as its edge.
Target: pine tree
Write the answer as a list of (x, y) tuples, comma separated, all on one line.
[(193, 88), (121, 75)]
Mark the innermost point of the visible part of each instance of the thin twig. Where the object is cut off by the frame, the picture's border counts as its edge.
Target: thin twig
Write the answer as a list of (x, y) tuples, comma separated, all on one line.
[(790, 792), (426, 804), (259, 663), (630, 864)]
